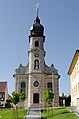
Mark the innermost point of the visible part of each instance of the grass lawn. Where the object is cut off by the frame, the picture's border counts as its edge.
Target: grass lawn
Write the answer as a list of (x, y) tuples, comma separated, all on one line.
[(59, 113), (7, 114)]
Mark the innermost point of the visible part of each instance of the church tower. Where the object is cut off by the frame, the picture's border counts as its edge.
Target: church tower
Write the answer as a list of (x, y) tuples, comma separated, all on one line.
[(36, 61), (36, 77), (36, 53)]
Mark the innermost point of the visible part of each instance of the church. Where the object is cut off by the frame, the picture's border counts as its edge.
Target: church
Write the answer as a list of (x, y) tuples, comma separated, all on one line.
[(36, 77)]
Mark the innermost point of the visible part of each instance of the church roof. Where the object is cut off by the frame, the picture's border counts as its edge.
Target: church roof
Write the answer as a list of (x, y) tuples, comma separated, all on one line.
[(37, 28), (21, 69), (50, 70), (3, 86)]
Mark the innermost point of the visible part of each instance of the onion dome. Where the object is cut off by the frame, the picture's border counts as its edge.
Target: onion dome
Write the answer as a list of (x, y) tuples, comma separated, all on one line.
[(37, 28)]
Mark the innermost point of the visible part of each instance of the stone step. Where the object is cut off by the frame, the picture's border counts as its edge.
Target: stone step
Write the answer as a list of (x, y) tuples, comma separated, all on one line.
[(35, 105), (32, 117), (35, 111)]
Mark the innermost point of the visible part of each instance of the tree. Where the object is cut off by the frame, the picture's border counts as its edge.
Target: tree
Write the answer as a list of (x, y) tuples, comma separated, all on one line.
[(22, 98), (63, 95), (15, 100), (48, 97)]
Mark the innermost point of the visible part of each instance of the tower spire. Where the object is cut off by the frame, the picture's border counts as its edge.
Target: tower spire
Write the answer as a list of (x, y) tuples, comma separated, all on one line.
[(37, 18), (37, 9)]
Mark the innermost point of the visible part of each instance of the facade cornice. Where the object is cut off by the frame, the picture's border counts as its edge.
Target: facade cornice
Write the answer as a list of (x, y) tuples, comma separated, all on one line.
[(37, 35), (37, 50)]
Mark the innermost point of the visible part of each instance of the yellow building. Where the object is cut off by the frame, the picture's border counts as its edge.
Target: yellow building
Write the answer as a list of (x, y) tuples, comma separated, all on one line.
[(74, 79)]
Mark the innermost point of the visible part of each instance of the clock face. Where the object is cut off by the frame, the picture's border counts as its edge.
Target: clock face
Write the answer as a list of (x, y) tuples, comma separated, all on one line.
[(36, 84), (36, 54)]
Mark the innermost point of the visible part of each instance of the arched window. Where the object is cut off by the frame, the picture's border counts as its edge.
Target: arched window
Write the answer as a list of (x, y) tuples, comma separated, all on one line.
[(23, 87), (49, 85), (36, 43), (36, 64)]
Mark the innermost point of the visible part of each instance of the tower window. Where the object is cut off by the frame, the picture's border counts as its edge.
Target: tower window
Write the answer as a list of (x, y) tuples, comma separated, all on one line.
[(23, 87), (36, 64), (49, 85), (36, 43)]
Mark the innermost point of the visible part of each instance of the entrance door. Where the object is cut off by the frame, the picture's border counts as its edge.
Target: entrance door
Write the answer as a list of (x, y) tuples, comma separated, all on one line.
[(36, 98)]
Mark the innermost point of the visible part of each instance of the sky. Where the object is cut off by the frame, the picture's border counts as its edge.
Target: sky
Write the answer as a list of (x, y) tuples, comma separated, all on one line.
[(60, 19)]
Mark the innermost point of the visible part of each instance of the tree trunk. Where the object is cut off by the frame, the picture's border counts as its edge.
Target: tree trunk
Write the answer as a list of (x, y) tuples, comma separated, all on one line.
[(47, 110), (13, 114), (22, 110), (51, 108), (16, 112)]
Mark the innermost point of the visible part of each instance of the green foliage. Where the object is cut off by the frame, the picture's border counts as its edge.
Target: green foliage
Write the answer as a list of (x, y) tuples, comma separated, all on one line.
[(51, 96), (22, 96), (63, 95), (15, 97), (59, 113), (48, 96)]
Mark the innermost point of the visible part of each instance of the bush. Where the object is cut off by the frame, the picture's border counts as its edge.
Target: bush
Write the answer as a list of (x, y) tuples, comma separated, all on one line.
[(7, 105)]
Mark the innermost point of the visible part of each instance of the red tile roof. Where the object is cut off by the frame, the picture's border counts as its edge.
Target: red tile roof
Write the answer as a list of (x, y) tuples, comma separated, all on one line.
[(3, 86)]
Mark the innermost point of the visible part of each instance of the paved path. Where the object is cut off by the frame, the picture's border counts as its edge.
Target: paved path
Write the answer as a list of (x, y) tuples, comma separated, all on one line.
[(74, 109), (34, 113)]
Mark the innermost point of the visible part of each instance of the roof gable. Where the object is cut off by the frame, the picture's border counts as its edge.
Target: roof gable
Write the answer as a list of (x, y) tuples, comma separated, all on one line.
[(75, 58), (3, 86)]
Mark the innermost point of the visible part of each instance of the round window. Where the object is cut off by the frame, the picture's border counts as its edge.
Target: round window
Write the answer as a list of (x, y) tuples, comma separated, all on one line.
[(36, 83)]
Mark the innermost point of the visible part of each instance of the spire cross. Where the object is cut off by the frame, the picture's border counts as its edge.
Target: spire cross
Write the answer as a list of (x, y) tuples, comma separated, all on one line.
[(37, 9)]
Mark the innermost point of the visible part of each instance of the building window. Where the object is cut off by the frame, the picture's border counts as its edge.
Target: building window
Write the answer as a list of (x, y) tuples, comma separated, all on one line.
[(1, 97), (36, 84), (36, 43), (49, 85), (23, 87), (36, 64)]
